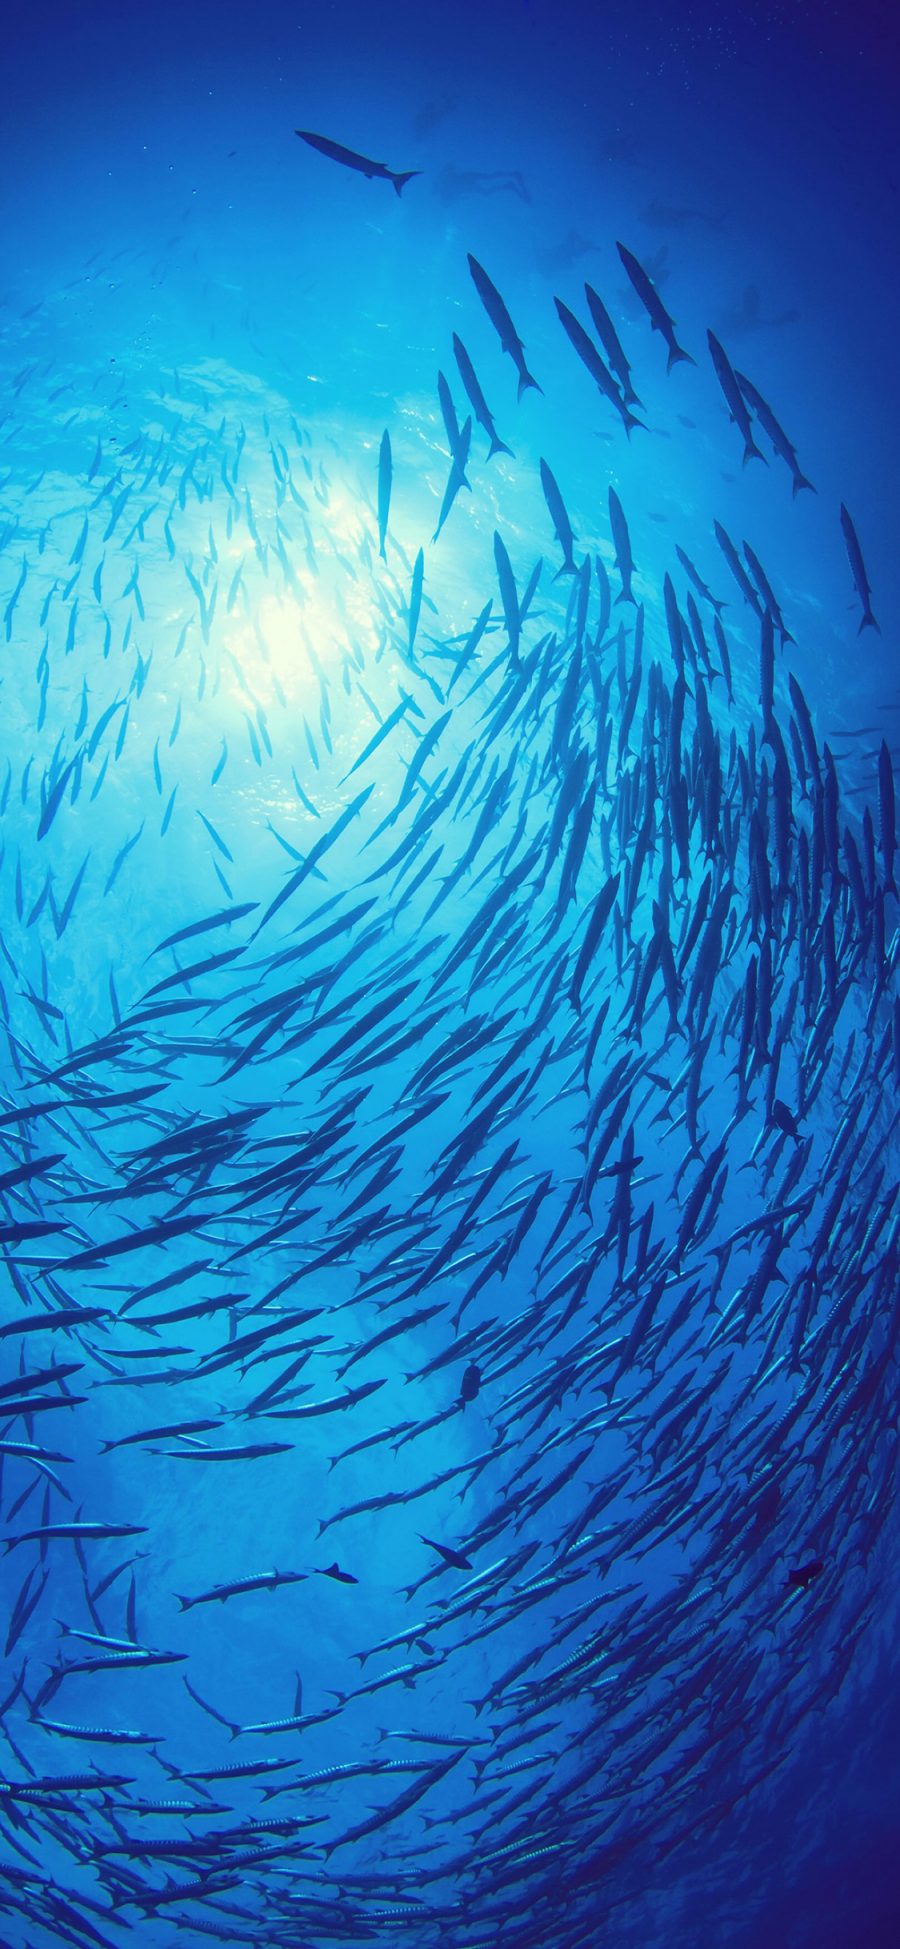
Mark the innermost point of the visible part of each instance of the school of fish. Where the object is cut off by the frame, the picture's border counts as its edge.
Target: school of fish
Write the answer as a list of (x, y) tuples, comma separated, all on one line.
[(473, 1222)]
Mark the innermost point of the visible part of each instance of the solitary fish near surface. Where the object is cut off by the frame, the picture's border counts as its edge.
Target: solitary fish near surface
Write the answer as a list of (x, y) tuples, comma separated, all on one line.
[(336, 152)]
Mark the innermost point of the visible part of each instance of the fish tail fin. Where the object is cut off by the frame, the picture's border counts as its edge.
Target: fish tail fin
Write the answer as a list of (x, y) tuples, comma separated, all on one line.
[(751, 450), (625, 596), (404, 176), (868, 618), (185, 1602), (677, 356), (800, 480), (526, 383), (629, 421), (568, 568), (499, 446)]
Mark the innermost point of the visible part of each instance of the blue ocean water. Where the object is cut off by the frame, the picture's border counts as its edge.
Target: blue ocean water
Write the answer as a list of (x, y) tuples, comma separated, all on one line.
[(506, 1143)]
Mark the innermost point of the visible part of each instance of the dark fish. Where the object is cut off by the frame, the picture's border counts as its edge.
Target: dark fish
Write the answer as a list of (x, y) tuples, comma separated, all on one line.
[(737, 569), (733, 396), (590, 357), (457, 475), (802, 1578), (38, 1167), (502, 323), (887, 814), (599, 916), (449, 415), (697, 580), (415, 600), (622, 541), (385, 477), (775, 431), (216, 837), (455, 1558), (321, 847), (23, 1609), (331, 1404), (509, 598), (656, 311), (337, 153), (562, 526), (62, 1317), (859, 570), (765, 589), (476, 397), (431, 1777), (197, 968), (100, 1735), (247, 1452), (785, 1120), (121, 857), (80, 1532), (384, 730), (609, 339), (55, 798), (200, 1427)]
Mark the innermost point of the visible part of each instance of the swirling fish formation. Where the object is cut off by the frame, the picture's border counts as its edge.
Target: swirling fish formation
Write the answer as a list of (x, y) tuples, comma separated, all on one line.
[(500, 1188)]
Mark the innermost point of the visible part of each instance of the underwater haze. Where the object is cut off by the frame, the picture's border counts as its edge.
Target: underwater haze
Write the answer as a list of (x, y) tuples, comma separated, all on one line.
[(449, 946)]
